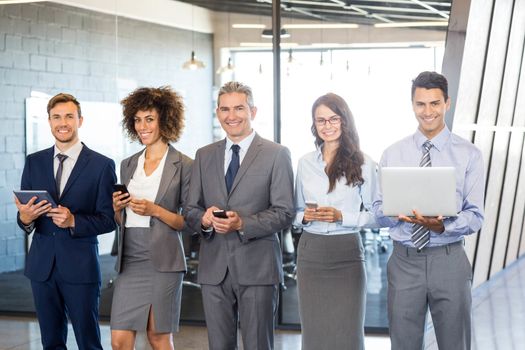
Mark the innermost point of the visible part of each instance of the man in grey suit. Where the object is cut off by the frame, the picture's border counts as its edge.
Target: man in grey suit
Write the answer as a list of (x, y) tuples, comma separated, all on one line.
[(240, 263)]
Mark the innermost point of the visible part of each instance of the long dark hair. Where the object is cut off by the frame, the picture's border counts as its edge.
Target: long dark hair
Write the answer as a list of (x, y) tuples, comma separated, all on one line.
[(348, 157)]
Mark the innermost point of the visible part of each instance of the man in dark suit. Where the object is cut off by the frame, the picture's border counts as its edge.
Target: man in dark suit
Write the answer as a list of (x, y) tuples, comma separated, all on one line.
[(240, 263), (62, 262)]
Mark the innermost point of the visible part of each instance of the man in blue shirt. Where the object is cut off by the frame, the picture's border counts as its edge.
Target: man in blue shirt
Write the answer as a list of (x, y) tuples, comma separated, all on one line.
[(428, 268)]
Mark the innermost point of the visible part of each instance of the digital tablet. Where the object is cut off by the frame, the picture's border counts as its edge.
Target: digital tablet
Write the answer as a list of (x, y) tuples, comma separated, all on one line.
[(25, 195), (430, 190)]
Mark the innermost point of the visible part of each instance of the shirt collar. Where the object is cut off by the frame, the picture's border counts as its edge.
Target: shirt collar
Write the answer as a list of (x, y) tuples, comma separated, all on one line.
[(319, 153), (438, 141), (73, 152), (244, 144)]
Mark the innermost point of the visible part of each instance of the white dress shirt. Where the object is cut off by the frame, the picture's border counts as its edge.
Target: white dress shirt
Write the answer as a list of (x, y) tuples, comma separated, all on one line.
[(312, 185), (69, 163), (142, 186)]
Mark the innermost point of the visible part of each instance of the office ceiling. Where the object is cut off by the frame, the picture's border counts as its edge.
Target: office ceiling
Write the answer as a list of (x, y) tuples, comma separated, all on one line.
[(340, 11)]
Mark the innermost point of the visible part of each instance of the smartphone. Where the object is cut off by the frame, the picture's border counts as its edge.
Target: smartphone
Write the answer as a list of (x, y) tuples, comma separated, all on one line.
[(220, 214), (120, 187), (311, 204)]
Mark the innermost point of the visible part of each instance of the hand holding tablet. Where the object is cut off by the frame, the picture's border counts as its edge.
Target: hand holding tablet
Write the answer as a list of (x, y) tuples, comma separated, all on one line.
[(41, 203), (25, 196)]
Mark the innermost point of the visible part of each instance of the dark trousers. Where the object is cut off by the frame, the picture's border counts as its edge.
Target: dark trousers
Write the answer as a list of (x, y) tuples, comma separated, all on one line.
[(55, 300)]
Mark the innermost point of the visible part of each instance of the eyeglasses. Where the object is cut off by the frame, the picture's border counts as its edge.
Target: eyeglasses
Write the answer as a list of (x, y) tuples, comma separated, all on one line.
[(335, 120)]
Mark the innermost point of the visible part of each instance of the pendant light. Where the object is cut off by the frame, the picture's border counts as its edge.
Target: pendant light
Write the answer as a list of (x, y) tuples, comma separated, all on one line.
[(193, 62), (229, 68)]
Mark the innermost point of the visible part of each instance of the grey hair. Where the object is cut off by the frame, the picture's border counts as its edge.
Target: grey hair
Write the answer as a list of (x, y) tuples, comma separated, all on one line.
[(235, 86)]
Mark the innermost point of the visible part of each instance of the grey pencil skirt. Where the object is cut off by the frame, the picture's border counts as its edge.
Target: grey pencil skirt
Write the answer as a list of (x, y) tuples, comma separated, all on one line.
[(331, 280), (139, 288)]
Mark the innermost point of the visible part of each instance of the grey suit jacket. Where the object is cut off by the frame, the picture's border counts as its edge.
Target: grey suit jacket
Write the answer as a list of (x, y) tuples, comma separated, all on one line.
[(166, 249), (262, 194)]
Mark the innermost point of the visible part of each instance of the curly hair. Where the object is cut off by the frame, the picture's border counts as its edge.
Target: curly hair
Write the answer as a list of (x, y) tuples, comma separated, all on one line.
[(165, 101), (348, 158)]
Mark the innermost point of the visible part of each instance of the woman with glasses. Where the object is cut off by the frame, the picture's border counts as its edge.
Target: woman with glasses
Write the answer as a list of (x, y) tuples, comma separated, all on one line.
[(334, 189)]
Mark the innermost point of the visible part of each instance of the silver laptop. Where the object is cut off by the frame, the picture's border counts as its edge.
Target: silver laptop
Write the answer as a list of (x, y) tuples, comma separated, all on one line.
[(431, 190)]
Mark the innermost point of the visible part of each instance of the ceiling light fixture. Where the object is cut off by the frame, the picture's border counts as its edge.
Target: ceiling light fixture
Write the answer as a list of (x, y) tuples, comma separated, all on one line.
[(291, 63), (8, 2), (328, 45), (228, 68), (268, 33), (411, 24), (321, 26), (248, 26), (261, 44), (193, 62)]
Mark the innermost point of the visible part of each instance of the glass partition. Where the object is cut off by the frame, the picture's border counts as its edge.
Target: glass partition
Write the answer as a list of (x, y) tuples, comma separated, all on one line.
[(375, 82), (100, 57)]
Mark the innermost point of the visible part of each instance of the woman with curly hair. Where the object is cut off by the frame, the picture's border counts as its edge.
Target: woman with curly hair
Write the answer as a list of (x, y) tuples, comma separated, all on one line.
[(334, 189), (150, 259)]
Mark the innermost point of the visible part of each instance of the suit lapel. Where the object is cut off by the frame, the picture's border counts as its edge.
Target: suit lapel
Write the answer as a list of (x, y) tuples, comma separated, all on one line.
[(129, 170), (219, 156), (250, 156), (49, 171), (82, 161), (171, 168)]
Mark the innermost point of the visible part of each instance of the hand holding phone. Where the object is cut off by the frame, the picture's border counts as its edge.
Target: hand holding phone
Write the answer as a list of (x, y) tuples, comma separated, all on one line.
[(311, 204), (120, 187), (220, 214)]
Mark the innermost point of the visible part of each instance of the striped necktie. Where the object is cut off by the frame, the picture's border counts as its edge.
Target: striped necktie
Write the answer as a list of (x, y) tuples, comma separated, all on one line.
[(420, 234)]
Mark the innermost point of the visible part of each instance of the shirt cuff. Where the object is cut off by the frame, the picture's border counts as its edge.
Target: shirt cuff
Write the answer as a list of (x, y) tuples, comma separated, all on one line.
[(29, 228), (240, 235), (206, 232), (299, 217), (449, 224)]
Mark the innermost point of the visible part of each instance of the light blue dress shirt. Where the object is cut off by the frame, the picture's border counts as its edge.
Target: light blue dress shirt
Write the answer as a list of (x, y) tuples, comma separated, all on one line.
[(449, 150), (312, 185)]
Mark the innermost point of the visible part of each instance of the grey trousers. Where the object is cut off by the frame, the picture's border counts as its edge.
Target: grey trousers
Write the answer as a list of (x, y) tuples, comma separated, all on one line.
[(254, 306), (439, 278)]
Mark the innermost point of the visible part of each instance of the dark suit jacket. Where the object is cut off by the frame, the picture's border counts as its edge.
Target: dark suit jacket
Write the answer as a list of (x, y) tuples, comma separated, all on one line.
[(87, 194), (166, 249), (262, 194)]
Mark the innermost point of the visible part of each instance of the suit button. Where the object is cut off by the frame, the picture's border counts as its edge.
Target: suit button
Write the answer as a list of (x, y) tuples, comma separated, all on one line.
[(54, 233)]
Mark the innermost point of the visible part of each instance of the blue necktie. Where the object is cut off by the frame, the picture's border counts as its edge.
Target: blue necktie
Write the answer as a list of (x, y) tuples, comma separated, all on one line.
[(233, 167), (420, 234)]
